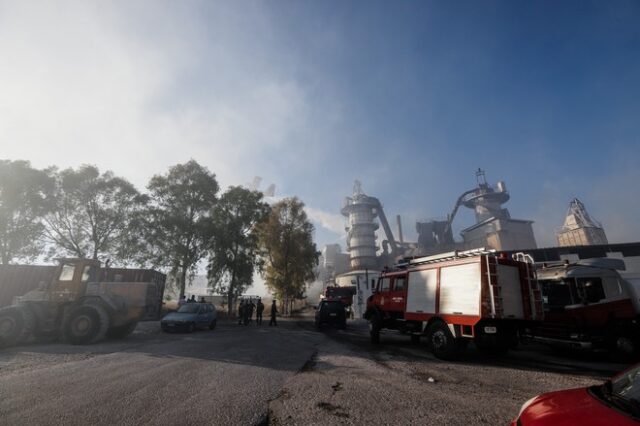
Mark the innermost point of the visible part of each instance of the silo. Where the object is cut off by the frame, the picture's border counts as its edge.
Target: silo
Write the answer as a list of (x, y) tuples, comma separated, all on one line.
[(360, 211)]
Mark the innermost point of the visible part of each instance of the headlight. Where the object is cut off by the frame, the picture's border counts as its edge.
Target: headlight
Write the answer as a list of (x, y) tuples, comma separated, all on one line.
[(526, 405)]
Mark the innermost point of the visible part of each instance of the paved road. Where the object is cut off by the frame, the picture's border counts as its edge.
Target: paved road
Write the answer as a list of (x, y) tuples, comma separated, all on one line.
[(351, 382), (290, 375), (225, 376)]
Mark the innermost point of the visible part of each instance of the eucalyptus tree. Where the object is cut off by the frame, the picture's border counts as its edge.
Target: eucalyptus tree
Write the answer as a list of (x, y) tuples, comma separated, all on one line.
[(178, 220), (25, 195), (92, 214), (233, 248), (290, 255)]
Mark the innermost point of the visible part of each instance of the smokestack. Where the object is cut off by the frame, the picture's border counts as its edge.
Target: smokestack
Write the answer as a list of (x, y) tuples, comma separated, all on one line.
[(399, 229)]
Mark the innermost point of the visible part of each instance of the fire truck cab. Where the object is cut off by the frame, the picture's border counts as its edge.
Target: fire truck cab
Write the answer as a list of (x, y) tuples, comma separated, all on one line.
[(456, 297), (588, 304)]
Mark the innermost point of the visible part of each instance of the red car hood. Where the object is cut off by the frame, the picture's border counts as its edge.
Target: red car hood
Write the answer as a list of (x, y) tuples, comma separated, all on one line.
[(572, 407)]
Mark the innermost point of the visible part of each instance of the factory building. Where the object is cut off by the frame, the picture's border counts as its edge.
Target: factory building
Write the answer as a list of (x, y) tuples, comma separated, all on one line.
[(494, 227), (579, 229)]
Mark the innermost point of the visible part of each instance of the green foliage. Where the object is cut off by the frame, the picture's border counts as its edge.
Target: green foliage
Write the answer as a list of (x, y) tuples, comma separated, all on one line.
[(233, 250), (92, 214), (177, 223), (24, 200), (286, 238)]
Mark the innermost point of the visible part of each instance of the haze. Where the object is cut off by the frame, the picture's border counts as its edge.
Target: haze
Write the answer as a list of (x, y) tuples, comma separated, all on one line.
[(408, 97)]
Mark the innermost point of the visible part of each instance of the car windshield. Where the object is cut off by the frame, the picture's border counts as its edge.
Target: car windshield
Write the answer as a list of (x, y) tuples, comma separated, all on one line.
[(623, 392), (627, 385), (189, 308)]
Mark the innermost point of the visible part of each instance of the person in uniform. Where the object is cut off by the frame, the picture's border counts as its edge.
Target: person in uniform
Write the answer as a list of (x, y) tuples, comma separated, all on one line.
[(259, 310), (274, 311)]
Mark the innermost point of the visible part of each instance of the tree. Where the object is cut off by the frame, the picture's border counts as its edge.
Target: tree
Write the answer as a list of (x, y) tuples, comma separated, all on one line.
[(233, 250), (24, 199), (286, 238), (93, 214), (178, 220)]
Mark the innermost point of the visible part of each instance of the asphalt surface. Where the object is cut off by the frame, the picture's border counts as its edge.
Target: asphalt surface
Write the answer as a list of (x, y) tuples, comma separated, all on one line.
[(289, 375), (225, 376), (352, 382)]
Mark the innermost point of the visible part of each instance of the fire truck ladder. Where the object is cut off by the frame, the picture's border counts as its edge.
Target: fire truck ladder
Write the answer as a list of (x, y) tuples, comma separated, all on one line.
[(443, 257), (535, 294), (494, 288)]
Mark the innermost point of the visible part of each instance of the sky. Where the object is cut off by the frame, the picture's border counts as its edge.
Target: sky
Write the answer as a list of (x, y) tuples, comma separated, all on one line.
[(409, 97)]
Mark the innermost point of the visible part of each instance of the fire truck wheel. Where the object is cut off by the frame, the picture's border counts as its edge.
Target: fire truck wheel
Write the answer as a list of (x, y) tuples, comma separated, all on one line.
[(16, 325), (85, 324), (122, 331), (374, 329), (624, 348), (443, 344)]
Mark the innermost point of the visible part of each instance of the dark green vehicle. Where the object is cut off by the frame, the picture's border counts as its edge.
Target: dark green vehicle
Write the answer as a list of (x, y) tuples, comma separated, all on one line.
[(331, 312)]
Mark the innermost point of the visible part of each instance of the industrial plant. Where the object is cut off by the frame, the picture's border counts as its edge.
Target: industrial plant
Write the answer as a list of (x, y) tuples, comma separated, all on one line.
[(370, 249)]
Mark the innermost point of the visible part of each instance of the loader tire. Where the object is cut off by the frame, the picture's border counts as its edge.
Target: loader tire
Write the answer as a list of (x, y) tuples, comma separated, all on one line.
[(16, 325), (85, 324), (443, 344), (121, 331)]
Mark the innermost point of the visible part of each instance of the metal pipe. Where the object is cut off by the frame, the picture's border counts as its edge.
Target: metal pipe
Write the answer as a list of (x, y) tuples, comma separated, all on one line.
[(399, 228)]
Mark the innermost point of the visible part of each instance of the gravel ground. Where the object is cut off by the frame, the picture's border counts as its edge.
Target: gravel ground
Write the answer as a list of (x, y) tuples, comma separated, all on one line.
[(289, 375), (351, 382), (225, 376)]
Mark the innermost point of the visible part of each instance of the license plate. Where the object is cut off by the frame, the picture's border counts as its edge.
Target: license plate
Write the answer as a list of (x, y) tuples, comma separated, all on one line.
[(333, 315)]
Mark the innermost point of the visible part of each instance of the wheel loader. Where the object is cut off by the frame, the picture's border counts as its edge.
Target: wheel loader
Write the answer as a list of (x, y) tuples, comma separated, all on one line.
[(77, 306)]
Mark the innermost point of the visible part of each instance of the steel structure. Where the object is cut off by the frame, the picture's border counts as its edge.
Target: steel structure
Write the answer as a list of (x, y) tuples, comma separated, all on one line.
[(361, 212), (580, 229)]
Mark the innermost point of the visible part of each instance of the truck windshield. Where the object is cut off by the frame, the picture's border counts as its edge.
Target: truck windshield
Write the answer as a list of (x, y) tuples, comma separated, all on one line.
[(66, 274), (557, 294)]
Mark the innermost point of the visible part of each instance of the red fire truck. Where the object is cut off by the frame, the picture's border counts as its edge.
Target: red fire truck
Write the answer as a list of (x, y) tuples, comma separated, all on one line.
[(343, 294), (588, 304), (456, 297)]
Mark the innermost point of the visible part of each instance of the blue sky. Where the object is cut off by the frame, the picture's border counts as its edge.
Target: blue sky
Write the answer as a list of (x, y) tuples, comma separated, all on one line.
[(408, 97)]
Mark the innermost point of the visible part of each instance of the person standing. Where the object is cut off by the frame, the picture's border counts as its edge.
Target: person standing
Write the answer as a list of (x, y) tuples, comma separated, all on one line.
[(182, 301), (274, 311), (259, 310), (252, 307), (241, 312)]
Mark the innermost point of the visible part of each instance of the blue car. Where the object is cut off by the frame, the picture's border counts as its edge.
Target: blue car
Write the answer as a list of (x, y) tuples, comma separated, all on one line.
[(190, 317)]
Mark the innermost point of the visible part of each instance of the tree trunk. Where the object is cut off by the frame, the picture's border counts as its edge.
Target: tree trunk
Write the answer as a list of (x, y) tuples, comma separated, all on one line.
[(183, 281)]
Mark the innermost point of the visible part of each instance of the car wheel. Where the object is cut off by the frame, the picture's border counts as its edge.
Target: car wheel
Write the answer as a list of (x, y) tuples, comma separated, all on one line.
[(213, 324)]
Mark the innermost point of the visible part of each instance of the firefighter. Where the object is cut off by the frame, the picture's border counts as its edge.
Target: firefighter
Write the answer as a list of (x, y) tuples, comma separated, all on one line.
[(252, 307), (259, 310), (274, 311), (241, 312)]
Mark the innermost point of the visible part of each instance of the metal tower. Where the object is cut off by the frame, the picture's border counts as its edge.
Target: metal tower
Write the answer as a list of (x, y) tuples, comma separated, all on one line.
[(360, 210)]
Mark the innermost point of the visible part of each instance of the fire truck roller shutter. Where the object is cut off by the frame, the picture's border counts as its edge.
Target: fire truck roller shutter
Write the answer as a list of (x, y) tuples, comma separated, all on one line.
[(421, 293), (460, 289), (509, 281)]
